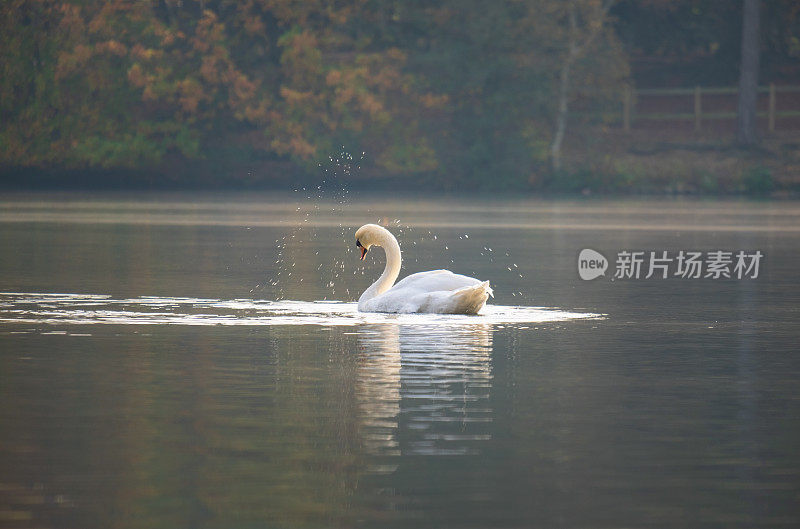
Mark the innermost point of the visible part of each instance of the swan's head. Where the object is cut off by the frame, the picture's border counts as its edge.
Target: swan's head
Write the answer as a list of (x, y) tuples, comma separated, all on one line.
[(368, 235)]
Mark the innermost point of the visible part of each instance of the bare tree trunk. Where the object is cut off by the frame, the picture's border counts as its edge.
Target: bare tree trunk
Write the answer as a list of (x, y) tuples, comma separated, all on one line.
[(574, 52), (748, 75), (563, 92), (561, 116)]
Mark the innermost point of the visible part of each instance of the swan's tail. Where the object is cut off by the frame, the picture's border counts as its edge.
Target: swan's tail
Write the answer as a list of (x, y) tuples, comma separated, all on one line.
[(469, 300)]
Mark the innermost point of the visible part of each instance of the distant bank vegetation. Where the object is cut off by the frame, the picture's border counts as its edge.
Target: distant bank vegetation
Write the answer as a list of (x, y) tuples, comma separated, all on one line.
[(451, 94)]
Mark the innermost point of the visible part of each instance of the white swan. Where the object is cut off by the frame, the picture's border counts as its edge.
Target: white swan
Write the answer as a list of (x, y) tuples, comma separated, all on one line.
[(437, 291)]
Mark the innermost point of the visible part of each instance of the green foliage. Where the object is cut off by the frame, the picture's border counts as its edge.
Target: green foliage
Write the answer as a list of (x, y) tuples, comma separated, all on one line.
[(757, 180), (409, 158), (455, 90), (117, 84), (571, 182), (698, 42), (462, 92), (708, 183), (127, 151)]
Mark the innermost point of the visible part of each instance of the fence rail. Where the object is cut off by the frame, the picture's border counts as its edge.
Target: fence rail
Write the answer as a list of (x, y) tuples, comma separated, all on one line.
[(631, 95)]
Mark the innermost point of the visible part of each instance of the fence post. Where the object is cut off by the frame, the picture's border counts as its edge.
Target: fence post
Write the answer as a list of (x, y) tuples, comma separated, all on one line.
[(698, 109), (772, 107), (626, 108)]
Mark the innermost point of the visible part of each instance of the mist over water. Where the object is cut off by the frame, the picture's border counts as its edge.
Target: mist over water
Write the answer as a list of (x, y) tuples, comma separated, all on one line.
[(160, 367)]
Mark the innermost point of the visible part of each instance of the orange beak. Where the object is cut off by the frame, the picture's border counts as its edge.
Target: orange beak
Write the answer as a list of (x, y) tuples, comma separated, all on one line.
[(363, 249)]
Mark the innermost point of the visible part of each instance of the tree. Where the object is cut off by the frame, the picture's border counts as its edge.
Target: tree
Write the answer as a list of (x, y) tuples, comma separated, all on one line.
[(748, 75), (126, 84), (469, 50), (498, 64), (585, 20), (467, 91)]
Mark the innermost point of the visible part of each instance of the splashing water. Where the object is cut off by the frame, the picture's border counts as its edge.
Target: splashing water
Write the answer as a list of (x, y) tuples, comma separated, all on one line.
[(329, 198), (331, 189), (89, 309)]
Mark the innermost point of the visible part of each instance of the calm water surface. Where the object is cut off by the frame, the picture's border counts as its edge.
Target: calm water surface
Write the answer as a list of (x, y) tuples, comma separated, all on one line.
[(163, 363)]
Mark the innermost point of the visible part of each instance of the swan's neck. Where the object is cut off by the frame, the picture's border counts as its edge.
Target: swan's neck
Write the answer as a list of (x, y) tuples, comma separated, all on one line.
[(390, 273)]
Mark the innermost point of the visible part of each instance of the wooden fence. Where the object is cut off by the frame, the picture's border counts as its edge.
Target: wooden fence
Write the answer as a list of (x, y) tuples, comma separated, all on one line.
[(632, 96)]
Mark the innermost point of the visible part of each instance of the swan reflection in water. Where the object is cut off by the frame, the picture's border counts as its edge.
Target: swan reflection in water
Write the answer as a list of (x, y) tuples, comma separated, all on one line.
[(424, 390)]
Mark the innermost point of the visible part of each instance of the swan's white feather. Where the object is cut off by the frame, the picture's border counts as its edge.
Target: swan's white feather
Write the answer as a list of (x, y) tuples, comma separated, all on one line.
[(437, 291), (436, 280)]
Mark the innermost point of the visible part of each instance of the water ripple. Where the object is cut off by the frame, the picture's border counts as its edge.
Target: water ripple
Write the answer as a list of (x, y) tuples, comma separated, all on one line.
[(87, 309)]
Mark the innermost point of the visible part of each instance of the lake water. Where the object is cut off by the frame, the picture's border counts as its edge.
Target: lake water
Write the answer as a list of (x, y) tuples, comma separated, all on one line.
[(182, 360)]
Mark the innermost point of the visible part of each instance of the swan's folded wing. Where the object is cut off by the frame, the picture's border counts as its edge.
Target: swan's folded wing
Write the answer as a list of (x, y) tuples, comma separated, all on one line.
[(434, 281), (465, 300), (438, 291)]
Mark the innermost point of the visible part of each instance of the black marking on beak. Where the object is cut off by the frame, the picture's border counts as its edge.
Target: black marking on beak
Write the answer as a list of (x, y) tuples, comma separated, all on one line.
[(363, 250)]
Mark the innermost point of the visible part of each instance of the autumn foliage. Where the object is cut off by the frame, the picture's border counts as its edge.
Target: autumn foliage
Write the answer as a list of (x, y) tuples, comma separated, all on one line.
[(463, 92), (125, 83)]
